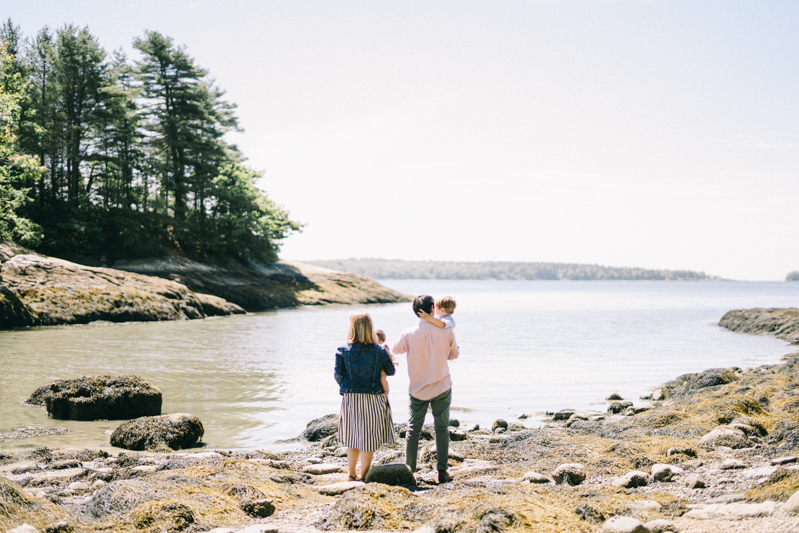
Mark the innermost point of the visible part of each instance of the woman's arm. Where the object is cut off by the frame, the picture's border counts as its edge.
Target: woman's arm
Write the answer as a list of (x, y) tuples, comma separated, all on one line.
[(386, 363), (339, 370)]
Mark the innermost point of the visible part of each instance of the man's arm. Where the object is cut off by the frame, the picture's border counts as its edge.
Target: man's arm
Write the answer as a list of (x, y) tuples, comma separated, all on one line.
[(401, 345), (453, 347)]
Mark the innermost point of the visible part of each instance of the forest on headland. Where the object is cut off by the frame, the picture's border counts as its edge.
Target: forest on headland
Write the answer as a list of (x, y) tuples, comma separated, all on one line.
[(104, 157), (501, 270)]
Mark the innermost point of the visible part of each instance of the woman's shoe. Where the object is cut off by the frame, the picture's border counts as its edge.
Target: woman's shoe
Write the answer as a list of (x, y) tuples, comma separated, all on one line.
[(444, 477)]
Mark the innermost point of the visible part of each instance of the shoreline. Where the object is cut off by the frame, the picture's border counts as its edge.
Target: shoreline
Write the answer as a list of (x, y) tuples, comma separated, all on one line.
[(503, 475)]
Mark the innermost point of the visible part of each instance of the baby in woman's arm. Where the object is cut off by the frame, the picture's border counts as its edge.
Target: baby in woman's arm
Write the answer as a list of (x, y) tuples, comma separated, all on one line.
[(381, 340)]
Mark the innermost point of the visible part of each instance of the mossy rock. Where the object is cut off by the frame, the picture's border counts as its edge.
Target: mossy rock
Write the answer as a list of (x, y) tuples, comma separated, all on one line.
[(99, 398), (172, 516), (174, 431)]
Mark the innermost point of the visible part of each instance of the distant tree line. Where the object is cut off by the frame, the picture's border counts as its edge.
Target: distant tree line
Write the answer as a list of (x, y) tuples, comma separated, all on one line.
[(101, 154), (500, 270), (792, 276)]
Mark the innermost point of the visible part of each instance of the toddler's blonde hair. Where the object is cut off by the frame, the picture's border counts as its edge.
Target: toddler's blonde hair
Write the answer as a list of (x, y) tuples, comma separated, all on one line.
[(447, 303)]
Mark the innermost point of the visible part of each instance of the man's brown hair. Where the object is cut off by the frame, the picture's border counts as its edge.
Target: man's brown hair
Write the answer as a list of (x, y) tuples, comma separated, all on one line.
[(447, 303)]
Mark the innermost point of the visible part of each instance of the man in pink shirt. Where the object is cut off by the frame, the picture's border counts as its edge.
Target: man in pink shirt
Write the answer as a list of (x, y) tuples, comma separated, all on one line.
[(429, 349)]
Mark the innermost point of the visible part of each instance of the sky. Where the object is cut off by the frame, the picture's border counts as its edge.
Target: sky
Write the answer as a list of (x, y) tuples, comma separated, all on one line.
[(648, 133)]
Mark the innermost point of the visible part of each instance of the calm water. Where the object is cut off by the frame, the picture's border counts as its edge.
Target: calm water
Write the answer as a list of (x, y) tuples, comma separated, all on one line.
[(526, 346)]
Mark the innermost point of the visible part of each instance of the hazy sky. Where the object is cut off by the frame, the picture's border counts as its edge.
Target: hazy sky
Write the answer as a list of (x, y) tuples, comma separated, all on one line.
[(661, 134)]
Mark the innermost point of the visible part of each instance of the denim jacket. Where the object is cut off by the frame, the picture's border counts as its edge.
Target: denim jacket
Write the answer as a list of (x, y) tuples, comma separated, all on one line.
[(358, 368)]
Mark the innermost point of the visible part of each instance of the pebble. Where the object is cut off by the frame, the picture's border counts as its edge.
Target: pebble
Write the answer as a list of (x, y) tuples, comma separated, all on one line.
[(731, 511), (24, 528), (334, 489), (624, 524), (535, 477), (569, 473), (694, 481), (792, 505), (661, 526), (731, 464), (630, 480), (662, 472), (321, 469)]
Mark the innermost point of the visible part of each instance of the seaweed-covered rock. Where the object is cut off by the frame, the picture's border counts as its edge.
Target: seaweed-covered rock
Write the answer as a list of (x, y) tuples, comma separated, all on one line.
[(261, 508), (619, 406), (725, 436), (99, 398), (367, 508), (171, 516), (780, 323), (13, 498), (121, 497), (321, 428), (688, 384), (176, 431), (392, 474)]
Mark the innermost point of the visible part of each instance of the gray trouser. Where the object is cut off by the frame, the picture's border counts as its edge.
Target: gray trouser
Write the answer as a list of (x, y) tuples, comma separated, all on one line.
[(418, 408)]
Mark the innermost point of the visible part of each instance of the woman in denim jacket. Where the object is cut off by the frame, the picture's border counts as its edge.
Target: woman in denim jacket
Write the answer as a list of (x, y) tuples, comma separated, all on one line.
[(365, 421)]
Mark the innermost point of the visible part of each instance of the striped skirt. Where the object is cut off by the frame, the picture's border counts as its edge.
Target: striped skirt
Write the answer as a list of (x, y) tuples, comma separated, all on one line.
[(365, 422)]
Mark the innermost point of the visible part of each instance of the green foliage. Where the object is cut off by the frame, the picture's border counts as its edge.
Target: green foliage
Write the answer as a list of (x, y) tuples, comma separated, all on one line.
[(396, 269), (117, 159), (16, 170)]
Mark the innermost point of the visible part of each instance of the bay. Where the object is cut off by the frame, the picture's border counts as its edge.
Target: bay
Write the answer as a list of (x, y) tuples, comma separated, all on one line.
[(526, 347)]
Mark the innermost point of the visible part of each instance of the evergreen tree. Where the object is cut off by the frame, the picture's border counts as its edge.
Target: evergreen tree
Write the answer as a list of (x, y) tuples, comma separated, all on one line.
[(83, 81), (16, 170)]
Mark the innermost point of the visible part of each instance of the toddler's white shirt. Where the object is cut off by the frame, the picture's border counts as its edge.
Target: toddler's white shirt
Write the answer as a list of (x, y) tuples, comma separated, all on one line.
[(448, 321)]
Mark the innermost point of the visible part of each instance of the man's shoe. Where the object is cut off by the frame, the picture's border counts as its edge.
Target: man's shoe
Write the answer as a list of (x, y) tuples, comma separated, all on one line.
[(444, 477)]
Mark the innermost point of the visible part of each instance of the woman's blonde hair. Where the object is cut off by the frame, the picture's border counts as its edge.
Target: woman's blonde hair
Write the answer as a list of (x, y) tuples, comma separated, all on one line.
[(361, 329)]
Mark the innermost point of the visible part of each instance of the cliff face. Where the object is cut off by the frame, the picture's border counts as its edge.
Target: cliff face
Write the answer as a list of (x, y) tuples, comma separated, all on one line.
[(780, 323), (36, 290), (257, 288)]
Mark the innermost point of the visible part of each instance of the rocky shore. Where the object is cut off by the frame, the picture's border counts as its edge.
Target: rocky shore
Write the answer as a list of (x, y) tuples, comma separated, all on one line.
[(36, 290), (711, 452), (780, 323)]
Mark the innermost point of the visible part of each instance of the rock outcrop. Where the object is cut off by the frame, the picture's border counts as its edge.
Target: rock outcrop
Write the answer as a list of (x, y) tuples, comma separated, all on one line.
[(780, 323), (257, 287), (99, 398), (36, 290), (173, 432)]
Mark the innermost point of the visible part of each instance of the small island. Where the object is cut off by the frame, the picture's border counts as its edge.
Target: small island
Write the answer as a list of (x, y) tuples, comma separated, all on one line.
[(502, 270)]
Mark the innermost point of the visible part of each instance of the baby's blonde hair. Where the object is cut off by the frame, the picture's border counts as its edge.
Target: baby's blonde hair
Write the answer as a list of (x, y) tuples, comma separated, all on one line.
[(447, 303), (380, 335), (361, 329)]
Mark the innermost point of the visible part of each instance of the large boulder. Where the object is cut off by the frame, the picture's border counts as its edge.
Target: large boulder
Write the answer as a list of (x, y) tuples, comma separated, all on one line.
[(174, 431), (99, 398)]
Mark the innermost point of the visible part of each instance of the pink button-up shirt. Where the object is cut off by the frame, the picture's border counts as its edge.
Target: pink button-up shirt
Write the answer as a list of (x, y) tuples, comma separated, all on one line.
[(429, 348)]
